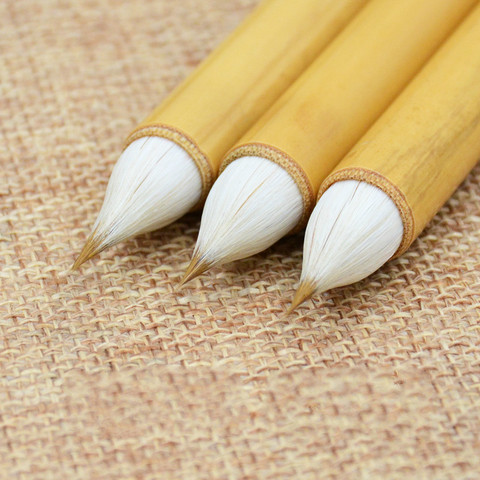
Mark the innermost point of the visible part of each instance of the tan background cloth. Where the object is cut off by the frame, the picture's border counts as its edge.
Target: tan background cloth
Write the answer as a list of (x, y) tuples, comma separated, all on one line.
[(111, 373)]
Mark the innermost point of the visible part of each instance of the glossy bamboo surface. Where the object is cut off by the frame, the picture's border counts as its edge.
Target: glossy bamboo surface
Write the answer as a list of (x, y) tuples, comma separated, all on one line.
[(321, 116), (241, 79)]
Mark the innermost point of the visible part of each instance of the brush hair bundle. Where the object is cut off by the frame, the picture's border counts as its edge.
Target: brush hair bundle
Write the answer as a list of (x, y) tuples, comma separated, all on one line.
[(153, 183), (354, 229), (253, 203)]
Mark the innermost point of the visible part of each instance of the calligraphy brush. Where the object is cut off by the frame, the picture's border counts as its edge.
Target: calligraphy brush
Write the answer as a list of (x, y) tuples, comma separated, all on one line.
[(384, 192)]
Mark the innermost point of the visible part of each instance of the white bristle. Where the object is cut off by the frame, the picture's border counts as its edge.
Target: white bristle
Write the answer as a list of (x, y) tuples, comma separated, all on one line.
[(354, 229), (153, 183), (253, 204)]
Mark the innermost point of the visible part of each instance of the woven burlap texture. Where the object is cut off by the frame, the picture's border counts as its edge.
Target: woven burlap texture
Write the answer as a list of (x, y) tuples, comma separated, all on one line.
[(111, 373)]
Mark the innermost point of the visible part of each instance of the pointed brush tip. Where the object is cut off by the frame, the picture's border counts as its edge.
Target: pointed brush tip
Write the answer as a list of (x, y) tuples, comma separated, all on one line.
[(89, 250), (76, 265), (196, 267), (304, 291), (80, 260)]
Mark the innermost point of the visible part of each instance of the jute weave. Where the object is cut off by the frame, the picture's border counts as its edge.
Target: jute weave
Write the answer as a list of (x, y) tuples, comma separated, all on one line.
[(111, 373)]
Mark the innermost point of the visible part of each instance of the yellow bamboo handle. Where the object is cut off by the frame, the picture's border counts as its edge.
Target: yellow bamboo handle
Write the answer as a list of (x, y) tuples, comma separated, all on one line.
[(321, 116), (425, 144), (237, 83)]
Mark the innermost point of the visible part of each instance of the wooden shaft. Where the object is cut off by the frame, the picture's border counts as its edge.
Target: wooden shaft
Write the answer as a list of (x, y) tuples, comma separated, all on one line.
[(321, 116), (425, 144), (241, 79)]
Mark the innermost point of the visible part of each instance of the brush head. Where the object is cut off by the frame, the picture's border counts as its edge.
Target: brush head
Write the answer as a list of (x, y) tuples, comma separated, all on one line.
[(153, 183), (252, 204), (354, 229)]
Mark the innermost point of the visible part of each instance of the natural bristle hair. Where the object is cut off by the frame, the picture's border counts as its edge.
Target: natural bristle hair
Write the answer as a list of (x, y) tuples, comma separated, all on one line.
[(153, 183), (354, 229), (197, 266), (305, 290), (252, 204), (89, 250)]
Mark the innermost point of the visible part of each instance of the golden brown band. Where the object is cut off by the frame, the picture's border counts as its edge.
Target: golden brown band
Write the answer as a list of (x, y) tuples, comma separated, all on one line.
[(183, 141), (287, 163), (384, 184)]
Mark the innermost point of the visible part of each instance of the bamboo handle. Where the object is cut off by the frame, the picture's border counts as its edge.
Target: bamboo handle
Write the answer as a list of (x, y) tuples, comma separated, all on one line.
[(425, 144), (209, 112), (317, 120)]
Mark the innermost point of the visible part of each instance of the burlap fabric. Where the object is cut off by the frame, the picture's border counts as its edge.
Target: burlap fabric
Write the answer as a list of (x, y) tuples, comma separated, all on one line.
[(110, 373)]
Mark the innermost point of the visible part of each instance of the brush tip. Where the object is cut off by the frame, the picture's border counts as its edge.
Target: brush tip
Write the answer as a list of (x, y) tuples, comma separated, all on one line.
[(197, 266), (304, 291), (90, 249)]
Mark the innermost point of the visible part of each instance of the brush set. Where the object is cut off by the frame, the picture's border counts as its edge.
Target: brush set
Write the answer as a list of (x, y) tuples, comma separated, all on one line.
[(356, 119)]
